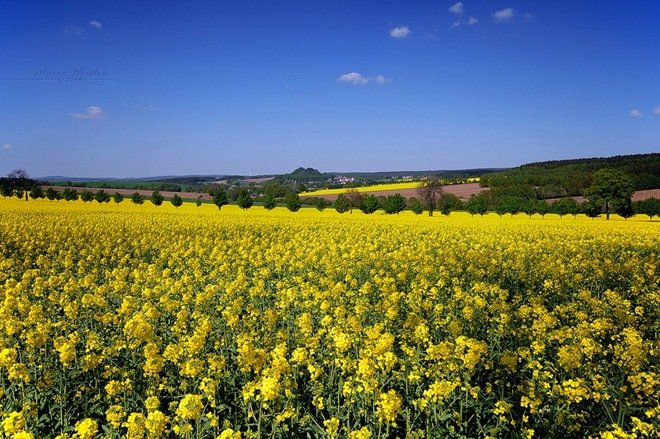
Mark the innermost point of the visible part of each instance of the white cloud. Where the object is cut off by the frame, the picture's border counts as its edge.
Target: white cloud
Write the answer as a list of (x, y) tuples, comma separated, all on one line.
[(529, 16), (96, 24), (354, 78), (400, 32), (457, 9), (7, 146), (455, 24), (92, 113), (504, 15), (635, 113), (357, 79), (472, 21), (656, 111), (380, 79)]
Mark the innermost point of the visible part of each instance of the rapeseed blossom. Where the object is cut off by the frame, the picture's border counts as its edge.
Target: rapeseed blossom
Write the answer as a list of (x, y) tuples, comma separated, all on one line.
[(132, 321)]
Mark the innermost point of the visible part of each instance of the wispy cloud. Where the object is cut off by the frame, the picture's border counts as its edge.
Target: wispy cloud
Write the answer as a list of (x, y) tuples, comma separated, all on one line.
[(656, 111), (96, 24), (457, 9), (504, 15), (635, 113), (528, 16), (473, 20), (73, 30), (91, 113), (455, 24), (400, 32), (380, 79), (358, 79), (7, 146), (147, 107)]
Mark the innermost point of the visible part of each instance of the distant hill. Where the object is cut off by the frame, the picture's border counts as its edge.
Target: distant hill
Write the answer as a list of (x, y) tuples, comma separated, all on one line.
[(560, 178)]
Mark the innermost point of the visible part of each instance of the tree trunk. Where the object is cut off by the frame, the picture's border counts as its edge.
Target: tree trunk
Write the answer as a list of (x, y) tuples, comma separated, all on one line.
[(607, 210)]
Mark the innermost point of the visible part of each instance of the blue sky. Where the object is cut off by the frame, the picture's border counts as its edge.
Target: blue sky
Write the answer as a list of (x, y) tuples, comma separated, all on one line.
[(137, 88)]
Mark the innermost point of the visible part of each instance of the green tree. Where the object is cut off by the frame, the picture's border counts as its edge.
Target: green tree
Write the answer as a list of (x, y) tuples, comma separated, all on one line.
[(20, 182), (102, 196), (136, 198), (198, 201), (176, 201), (5, 190), (244, 200), (220, 197), (395, 204), (477, 204), (354, 199), (502, 206), (610, 188), (341, 204), (118, 198), (293, 202), (625, 210), (592, 210), (415, 205), (448, 202), (36, 192), (369, 204), (650, 207), (429, 190), (269, 201), (70, 194), (542, 208), (565, 206), (52, 194), (87, 196), (156, 198), (530, 207), (321, 204)]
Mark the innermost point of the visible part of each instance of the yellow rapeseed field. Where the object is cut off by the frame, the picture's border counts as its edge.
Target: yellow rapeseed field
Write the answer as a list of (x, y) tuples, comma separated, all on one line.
[(375, 188), (365, 189), (144, 322)]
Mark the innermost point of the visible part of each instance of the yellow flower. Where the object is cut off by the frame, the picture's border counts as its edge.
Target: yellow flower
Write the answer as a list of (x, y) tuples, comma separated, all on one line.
[(135, 425), (388, 407), (228, 433), (13, 423), (86, 429), (115, 415), (190, 407), (331, 427), (502, 409), (8, 357), (439, 390), (569, 357), (269, 388), (362, 433), (156, 423)]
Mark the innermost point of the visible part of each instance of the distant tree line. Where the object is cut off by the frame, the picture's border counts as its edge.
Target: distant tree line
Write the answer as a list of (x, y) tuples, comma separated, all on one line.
[(610, 192), (565, 178)]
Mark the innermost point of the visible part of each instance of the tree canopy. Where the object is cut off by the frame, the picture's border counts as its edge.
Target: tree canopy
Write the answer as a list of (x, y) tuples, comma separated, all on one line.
[(610, 189), (429, 190)]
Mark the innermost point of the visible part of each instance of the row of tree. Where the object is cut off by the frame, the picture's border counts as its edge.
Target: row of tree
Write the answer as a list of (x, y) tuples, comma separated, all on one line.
[(36, 192), (430, 199)]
